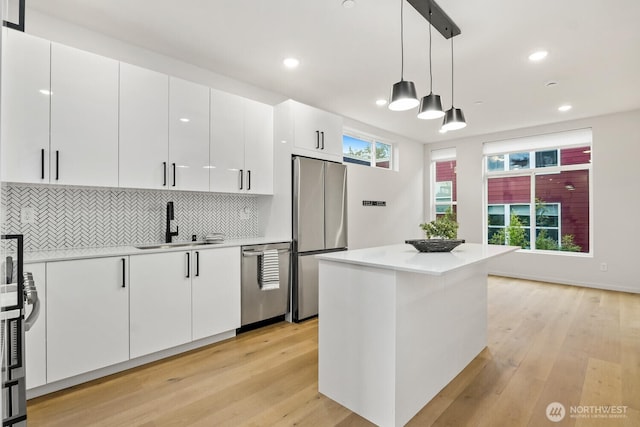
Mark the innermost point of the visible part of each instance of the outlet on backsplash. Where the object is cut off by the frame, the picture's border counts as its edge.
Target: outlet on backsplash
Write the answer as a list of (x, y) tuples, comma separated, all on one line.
[(27, 215), (245, 213)]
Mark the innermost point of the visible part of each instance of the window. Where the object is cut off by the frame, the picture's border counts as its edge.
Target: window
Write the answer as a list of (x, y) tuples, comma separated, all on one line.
[(503, 219), (538, 192), (443, 183), (368, 151)]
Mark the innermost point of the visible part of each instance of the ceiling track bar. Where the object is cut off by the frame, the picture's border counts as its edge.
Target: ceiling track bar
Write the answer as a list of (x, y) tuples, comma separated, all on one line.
[(438, 18)]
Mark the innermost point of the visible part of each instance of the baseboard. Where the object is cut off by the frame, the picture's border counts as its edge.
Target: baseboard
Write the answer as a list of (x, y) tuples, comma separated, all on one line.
[(603, 286)]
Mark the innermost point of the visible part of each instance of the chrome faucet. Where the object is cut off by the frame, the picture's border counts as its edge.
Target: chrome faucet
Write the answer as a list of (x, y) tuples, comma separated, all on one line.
[(170, 216)]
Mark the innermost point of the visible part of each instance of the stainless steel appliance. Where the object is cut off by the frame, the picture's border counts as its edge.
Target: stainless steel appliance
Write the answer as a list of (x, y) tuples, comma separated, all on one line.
[(16, 291), (319, 225), (262, 301)]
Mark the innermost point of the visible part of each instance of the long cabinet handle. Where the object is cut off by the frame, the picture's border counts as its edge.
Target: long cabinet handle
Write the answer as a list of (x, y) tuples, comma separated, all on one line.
[(174, 174), (197, 263), (124, 272), (188, 265), (241, 178), (317, 139), (164, 174), (322, 134), (248, 180), (42, 164), (57, 164)]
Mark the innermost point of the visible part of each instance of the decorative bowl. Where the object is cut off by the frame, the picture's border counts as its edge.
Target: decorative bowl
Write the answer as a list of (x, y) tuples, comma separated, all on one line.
[(435, 245)]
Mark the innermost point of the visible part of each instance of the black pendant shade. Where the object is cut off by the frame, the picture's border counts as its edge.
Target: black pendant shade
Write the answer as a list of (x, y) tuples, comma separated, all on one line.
[(403, 96), (453, 119), (430, 107)]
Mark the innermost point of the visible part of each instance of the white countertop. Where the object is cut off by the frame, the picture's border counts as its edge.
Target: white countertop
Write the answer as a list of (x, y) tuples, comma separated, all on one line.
[(404, 257), (69, 254)]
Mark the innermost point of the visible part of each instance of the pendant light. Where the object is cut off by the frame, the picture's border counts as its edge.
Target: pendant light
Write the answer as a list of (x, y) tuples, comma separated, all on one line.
[(454, 118), (430, 105), (403, 93)]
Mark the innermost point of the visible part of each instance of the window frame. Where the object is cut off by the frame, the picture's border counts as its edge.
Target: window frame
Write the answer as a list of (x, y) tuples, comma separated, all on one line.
[(532, 171), (432, 185), (373, 142)]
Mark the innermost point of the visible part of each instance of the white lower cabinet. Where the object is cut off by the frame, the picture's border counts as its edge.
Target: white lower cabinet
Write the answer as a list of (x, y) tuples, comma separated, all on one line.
[(87, 317), (178, 297), (99, 312), (36, 337), (215, 291), (160, 315)]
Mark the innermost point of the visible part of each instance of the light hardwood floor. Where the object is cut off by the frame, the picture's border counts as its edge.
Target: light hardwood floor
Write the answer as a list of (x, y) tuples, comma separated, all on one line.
[(547, 343)]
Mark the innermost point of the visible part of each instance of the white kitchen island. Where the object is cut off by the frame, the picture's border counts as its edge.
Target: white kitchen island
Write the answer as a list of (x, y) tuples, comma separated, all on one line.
[(396, 326)]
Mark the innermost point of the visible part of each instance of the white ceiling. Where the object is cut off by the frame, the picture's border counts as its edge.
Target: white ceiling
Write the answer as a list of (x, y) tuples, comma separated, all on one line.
[(351, 57)]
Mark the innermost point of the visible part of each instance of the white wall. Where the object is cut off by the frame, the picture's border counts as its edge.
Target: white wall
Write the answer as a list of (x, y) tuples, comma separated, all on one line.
[(402, 189), (616, 201)]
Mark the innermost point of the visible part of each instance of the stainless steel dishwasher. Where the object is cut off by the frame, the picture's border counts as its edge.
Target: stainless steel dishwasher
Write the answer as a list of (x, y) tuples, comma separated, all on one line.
[(260, 303)]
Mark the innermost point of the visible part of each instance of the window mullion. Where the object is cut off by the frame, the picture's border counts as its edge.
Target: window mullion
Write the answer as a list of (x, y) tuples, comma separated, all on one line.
[(533, 221)]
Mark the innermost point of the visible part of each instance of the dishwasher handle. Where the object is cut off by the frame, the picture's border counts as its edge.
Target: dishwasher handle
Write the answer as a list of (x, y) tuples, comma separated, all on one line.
[(249, 253)]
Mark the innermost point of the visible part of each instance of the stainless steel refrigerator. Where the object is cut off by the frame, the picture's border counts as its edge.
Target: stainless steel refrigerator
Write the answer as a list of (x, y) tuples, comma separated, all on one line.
[(319, 225)]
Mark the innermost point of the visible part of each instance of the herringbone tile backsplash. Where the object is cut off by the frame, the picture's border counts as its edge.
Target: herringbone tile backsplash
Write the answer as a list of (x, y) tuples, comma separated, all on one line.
[(79, 217)]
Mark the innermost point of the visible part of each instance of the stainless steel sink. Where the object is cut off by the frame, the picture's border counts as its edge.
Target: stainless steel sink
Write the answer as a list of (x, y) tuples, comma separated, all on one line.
[(176, 245)]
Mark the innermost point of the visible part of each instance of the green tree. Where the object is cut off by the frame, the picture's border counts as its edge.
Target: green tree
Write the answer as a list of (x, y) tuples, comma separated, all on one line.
[(567, 244), (544, 242), (513, 235)]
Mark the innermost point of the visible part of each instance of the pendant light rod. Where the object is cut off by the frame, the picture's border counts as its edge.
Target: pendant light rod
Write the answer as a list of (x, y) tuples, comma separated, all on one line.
[(401, 40), (452, 71), (430, 65), (437, 17)]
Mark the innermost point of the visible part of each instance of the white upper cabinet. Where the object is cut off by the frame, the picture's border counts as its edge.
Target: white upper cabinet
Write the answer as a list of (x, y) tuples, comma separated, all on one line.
[(241, 155), (258, 147), (188, 135), (315, 133), (84, 118), (144, 128), (227, 142), (25, 107)]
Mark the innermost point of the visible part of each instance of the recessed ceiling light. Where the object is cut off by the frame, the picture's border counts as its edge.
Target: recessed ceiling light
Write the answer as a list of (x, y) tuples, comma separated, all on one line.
[(348, 4), (381, 102), (291, 63), (565, 107), (184, 120), (45, 92), (537, 56), (479, 102)]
